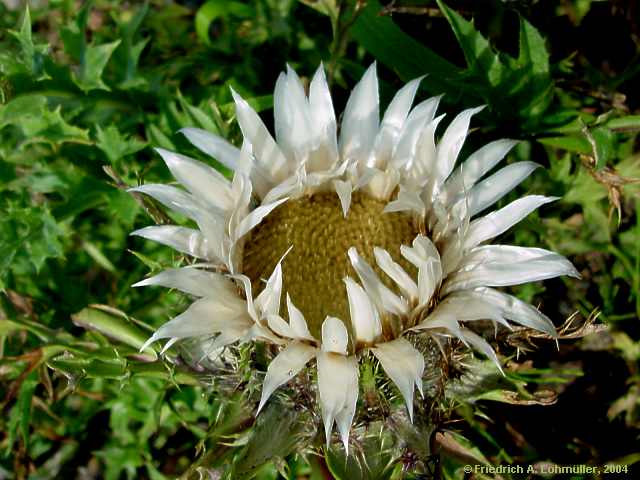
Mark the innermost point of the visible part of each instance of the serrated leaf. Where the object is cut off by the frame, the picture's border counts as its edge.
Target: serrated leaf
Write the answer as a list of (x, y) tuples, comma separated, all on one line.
[(29, 234), (31, 114), (533, 52), (478, 53), (32, 57), (21, 107), (121, 458), (94, 61), (381, 37), (520, 88), (533, 67), (72, 34), (51, 128), (127, 55), (115, 145)]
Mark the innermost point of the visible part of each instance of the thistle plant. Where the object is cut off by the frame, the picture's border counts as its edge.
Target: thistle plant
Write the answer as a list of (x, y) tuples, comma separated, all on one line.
[(341, 247), (334, 280)]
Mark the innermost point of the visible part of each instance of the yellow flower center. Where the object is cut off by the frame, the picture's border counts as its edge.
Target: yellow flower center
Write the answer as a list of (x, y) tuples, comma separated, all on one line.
[(320, 235)]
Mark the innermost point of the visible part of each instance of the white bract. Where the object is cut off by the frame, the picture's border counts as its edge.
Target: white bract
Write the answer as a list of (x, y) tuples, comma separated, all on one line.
[(436, 282)]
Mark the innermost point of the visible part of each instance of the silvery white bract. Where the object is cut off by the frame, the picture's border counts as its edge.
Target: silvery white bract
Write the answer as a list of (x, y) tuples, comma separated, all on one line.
[(436, 282)]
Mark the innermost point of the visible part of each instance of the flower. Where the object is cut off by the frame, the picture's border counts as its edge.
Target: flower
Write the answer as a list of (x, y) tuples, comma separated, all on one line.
[(330, 248)]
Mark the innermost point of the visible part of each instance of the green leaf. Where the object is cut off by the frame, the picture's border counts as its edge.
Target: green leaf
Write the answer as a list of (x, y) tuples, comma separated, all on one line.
[(127, 55), (119, 458), (196, 117), (51, 128), (400, 52), (533, 52), (628, 123), (116, 145), (603, 142), (275, 435), (215, 9), (206, 14), (533, 64), (115, 325), (20, 414), (94, 61), (572, 143), (31, 114), (32, 57), (259, 104), (477, 51), (514, 88), (30, 235), (372, 460), (157, 137), (325, 7), (151, 264), (21, 107), (72, 34), (96, 254)]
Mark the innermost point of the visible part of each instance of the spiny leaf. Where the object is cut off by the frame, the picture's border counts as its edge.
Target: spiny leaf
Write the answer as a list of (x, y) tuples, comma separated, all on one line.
[(32, 57), (400, 52), (521, 87), (115, 145), (478, 53), (73, 35), (93, 64), (533, 52), (30, 235), (127, 55), (38, 123)]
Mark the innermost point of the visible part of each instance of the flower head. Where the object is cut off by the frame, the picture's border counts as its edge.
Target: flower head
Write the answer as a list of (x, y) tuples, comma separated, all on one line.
[(330, 246)]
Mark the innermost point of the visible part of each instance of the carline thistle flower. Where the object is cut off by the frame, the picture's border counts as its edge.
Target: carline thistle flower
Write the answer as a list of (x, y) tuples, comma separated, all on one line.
[(333, 244)]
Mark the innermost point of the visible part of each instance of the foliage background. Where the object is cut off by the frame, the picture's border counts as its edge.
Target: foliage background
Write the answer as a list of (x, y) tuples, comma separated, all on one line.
[(86, 91)]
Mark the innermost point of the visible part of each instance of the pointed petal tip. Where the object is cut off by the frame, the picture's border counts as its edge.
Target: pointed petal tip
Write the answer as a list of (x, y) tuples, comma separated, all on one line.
[(478, 109), (148, 343), (140, 232), (262, 403), (162, 151), (168, 345), (345, 442), (141, 283), (237, 98)]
